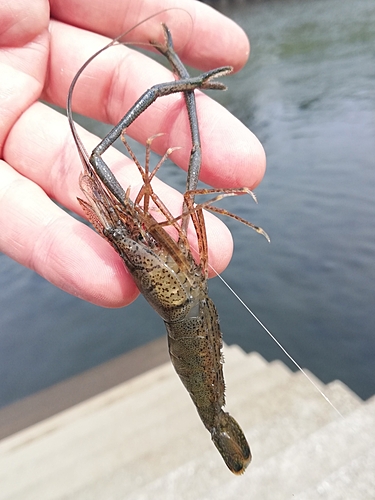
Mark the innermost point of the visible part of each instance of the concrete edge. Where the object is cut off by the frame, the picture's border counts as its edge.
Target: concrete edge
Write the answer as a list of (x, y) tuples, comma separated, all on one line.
[(48, 402)]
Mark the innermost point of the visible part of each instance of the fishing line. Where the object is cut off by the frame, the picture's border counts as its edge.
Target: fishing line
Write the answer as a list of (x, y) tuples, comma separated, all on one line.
[(277, 342)]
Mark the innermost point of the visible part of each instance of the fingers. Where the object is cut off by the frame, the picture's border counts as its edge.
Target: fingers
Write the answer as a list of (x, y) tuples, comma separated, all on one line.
[(232, 156), (204, 37), (21, 21), (39, 235), (23, 59), (39, 146)]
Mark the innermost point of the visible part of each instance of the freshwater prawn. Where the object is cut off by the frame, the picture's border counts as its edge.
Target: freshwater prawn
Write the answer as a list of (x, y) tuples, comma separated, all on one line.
[(164, 269)]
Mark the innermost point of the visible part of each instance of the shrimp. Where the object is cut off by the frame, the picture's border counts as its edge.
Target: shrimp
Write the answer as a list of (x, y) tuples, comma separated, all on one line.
[(163, 268)]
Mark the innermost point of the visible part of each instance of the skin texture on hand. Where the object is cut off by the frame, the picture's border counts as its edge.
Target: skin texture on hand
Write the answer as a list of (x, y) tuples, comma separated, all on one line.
[(42, 46)]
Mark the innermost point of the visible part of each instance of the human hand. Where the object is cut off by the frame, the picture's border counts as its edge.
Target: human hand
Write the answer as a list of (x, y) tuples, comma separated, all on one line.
[(41, 49)]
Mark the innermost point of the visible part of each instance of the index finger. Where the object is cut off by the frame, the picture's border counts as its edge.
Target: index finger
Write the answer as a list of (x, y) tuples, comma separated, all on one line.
[(210, 39), (113, 82)]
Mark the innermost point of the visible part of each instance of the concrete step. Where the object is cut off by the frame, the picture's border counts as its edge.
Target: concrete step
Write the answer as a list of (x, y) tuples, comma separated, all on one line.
[(288, 411), (144, 439), (190, 442), (233, 354), (271, 423), (67, 393), (146, 403), (355, 479), (310, 462)]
